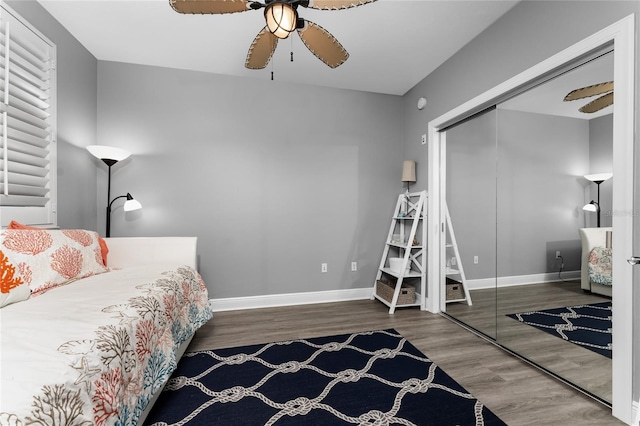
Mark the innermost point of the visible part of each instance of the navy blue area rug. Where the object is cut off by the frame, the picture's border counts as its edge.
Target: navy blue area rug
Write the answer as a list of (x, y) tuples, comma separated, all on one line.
[(586, 325), (370, 378)]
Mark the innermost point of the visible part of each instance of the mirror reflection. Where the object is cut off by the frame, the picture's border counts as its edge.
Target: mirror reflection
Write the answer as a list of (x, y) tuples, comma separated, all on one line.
[(471, 201), (537, 263)]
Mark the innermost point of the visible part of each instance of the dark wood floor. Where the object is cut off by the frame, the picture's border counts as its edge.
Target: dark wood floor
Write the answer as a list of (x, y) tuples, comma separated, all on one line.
[(576, 364), (517, 392)]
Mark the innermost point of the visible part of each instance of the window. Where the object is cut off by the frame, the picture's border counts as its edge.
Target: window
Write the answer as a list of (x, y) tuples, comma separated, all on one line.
[(27, 123)]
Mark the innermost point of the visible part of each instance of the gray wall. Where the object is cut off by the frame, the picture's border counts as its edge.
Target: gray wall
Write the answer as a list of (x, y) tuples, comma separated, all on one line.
[(513, 44), (471, 193), (510, 46), (274, 179), (77, 119), (515, 192), (540, 163)]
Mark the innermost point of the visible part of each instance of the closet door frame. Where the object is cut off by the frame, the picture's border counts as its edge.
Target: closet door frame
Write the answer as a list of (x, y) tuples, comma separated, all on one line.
[(621, 37)]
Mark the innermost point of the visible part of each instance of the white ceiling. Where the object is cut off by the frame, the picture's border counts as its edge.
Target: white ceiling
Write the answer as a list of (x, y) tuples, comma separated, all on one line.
[(547, 98), (393, 44)]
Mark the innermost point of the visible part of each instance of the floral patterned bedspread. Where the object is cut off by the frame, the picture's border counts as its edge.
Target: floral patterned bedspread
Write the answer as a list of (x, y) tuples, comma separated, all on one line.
[(93, 352), (600, 265)]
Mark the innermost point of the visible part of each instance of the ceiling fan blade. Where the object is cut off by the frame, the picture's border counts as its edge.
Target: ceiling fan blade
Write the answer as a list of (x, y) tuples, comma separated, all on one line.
[(334, 4), (210, 6), (585, 92), (261, 50), (322, 44), (598, 104)]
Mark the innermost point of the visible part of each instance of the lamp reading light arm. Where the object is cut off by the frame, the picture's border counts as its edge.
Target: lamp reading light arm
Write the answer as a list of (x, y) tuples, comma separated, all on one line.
[(129, 197)]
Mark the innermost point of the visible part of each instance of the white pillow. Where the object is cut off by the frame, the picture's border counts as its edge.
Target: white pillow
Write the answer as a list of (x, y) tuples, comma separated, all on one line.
[(49, 258)]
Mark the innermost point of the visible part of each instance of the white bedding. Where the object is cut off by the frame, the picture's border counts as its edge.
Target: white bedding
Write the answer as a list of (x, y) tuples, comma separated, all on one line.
[(95, 350)]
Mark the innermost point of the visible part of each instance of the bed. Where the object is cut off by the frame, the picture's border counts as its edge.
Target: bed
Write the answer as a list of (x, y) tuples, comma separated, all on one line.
[(97, 350), (595, 273)]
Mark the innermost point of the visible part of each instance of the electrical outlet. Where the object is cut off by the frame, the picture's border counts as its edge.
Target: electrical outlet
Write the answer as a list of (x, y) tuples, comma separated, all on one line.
[(453, 261), (323, 267), (424, 139), (354, 266), (475, 260), (557, 254)]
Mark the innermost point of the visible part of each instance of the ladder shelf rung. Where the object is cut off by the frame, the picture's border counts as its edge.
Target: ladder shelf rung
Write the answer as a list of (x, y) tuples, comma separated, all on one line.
[(412, 274), (404, 246)]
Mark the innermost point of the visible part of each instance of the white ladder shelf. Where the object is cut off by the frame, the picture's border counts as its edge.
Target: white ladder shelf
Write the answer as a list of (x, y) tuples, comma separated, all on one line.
[(455, 267), (407, 225)]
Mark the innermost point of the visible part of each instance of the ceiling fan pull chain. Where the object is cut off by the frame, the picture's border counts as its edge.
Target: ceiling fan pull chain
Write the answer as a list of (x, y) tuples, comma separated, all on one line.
[(291, 49)]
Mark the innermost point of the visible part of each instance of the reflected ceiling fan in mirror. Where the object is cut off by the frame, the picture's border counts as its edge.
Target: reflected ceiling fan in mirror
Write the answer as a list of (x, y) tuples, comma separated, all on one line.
[(282, 19), (604, 89)]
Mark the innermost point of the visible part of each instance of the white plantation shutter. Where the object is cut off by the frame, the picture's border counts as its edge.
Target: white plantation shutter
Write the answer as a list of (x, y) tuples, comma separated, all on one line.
[(27, 123)]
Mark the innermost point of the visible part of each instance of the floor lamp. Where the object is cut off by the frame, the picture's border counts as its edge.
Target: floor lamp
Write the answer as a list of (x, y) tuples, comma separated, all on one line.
[(111, 155), (594, 206)]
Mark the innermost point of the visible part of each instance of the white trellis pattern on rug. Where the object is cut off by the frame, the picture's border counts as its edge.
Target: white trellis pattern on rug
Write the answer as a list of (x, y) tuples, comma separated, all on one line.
[(346, 391)]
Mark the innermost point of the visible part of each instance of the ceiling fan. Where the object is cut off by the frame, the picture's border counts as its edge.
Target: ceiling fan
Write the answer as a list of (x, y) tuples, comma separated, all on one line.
[(281, 20), (588, 91)]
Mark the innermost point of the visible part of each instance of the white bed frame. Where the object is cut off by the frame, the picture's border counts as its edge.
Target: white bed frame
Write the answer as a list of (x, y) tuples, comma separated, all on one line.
[(130, 251), (136, 251)]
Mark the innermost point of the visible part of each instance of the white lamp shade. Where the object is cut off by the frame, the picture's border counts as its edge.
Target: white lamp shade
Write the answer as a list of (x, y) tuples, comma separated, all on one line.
[(598, 177), (281, 19), (131, 205), (104, 152), (589, 207), (409, 171)]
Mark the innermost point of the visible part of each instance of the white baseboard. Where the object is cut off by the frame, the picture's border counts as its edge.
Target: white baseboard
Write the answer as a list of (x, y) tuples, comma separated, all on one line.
[(548, 277), (289, 299)]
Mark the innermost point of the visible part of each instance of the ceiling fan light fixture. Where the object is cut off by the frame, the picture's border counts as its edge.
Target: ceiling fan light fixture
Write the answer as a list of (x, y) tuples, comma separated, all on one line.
[(281, 19)]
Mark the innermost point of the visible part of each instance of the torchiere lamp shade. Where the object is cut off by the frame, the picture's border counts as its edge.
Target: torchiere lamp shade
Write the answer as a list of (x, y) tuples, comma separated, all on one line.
[(104, 152)]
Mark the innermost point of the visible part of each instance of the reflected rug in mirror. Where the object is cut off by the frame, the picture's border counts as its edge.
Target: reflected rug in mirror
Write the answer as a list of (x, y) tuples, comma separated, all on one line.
[(586, 325), (376, 378)]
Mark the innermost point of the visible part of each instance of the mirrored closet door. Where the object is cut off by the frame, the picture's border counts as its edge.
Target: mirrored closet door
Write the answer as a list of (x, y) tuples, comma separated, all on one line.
[(516, 188), (471, 200)]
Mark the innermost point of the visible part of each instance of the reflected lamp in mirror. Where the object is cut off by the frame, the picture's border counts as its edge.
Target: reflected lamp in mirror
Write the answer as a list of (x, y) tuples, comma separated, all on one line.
[(593, 206), (598, 178)]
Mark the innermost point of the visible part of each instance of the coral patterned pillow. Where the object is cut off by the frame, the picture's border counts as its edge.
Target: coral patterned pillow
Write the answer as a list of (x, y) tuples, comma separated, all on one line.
[(49, 258), (12, 287), (103, 244)]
